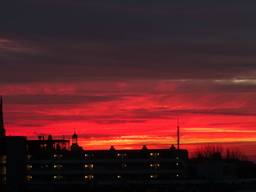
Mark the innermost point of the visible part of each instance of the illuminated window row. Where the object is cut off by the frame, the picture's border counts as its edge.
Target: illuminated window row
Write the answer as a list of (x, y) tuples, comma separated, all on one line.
[(29, 178), (57, 156), (57, 177), (88, 166), (29, 167), (154, 155), (154, 165), (91, 177), (122, 155), (58, 166), (88, 177), (153, 176)]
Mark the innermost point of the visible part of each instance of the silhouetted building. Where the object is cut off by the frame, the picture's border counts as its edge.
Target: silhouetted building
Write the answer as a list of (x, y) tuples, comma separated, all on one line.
[(2, 129), (60, 167), (12, 159)]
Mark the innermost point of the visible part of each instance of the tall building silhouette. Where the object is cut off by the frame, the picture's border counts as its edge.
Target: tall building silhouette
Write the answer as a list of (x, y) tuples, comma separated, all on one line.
[(2, 129), (12, 158)]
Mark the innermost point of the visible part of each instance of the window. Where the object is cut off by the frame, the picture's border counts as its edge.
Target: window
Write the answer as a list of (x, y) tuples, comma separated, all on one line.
[(154, 155), (154, 165), (88, 177), (57, 177), (57, 156), (88, 166), (121, 155), (29, 178), (153, 176), (58, 166), (29, 167)]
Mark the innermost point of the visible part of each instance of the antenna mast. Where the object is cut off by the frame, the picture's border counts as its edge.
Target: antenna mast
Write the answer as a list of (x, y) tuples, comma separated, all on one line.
[(178, 134)]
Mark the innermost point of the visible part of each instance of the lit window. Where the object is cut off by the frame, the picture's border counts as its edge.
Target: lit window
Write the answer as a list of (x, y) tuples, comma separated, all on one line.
[(89, 166), (57, 156), (29, 167), (153, 176), (88, 177), (122, 155), (154, 165), (29, 178), (57, 177), (58, 166), (155, 155)]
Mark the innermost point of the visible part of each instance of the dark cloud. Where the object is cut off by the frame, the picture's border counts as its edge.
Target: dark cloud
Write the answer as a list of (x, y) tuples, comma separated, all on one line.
[(163, 113), (84, 40)]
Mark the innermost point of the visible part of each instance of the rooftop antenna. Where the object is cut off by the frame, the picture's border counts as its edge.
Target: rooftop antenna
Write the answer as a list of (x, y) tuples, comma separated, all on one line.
[(178, 133)]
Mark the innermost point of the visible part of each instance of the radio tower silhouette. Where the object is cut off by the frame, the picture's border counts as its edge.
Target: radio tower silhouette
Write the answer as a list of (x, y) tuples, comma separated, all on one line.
[(178, 133)]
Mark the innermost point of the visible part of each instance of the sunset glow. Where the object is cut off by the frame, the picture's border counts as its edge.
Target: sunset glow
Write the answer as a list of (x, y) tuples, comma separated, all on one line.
[(122, 72), (130, 114)]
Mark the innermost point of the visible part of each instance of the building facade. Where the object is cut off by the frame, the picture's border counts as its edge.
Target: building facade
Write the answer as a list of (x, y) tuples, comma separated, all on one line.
[(51, 163)]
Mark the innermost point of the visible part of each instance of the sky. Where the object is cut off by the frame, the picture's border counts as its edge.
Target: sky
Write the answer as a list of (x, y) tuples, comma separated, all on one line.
[(121, 72)]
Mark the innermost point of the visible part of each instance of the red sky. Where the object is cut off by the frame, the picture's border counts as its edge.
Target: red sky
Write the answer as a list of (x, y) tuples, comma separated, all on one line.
[(128, 114), (121, 72)]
